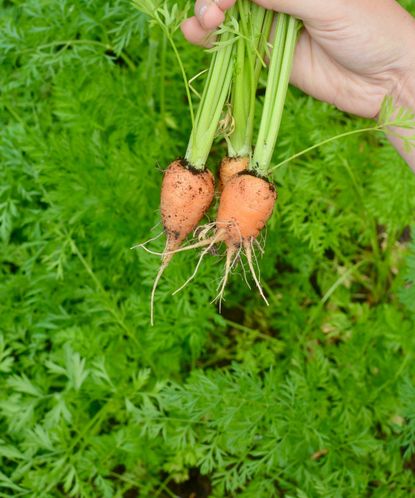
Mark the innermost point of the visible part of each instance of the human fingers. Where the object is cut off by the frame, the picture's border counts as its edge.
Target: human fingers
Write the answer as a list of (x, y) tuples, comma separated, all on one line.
[(195, 33), (306, 10), (209, 14)]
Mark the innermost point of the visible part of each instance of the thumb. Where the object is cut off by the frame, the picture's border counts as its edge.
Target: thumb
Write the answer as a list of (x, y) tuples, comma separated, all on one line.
[(307, 10)]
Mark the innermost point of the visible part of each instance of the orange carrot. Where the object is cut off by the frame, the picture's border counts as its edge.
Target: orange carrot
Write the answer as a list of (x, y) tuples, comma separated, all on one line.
[(229, 167), (245, 206), (186, 194)]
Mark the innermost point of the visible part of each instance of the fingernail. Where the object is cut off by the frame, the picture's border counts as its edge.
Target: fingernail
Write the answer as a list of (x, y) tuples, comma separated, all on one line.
[(202, 9)]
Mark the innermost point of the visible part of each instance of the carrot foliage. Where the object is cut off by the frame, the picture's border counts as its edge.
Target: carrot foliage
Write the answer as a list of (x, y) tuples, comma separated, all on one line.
[(313, 396)]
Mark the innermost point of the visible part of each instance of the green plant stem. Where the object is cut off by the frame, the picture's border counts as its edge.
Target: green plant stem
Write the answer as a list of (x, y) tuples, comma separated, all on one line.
[(340, 281), (376, 128), (241, 101), (156, 13), (215, 91), (151, 62), (182, 70), (277, 85), (236, 142), (163, 79), (255, 23)]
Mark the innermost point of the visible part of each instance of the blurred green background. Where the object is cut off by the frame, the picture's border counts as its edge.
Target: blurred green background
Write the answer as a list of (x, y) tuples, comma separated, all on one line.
[(313, 396)]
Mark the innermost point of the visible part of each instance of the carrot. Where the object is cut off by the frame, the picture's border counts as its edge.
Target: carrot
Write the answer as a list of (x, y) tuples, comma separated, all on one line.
[(245, 206), (229, 167), (248, 198), (186, 194), (188, 188)]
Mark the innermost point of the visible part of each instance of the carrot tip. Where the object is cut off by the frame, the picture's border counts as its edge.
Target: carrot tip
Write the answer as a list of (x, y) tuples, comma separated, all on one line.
[(153, 290)]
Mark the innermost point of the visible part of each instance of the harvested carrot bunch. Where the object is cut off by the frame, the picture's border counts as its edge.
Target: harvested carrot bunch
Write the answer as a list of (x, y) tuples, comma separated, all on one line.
[(247, 197), (188, 188)]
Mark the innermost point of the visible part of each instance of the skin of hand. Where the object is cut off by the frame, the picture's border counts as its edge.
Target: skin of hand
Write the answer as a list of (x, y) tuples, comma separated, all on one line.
[(351, 53)]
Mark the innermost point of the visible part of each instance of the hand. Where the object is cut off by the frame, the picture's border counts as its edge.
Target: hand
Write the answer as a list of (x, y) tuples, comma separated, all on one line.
[(352, 53)]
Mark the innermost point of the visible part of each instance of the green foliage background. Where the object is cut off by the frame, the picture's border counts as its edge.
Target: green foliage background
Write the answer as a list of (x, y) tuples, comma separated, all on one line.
[(313, 396)]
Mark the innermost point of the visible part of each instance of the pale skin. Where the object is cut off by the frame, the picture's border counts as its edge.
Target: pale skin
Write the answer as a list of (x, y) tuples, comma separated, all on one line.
[(351, 53)]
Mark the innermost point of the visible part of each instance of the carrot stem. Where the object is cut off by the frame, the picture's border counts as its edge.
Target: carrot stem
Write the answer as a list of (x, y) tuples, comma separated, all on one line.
[(255, 24), (215, 92), (166, 21), (277, 84)]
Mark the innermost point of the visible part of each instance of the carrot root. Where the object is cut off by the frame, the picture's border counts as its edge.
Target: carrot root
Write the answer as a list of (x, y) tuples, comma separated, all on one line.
[(229, 167), (186, 195), (245, 206), (163, 266), (248, 253), (228, 268)]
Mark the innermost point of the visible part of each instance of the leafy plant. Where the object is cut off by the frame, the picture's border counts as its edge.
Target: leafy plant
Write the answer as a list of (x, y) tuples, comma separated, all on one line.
[(312, 396)]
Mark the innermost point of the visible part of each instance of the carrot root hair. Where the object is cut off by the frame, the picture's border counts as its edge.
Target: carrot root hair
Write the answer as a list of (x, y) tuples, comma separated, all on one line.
[(165, 262), (210, 243), (144, 244), (248, 254), (229, 264), (259, 246)]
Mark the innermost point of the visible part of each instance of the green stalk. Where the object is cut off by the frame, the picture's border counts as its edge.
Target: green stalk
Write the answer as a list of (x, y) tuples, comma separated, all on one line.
[(277, 85), (163, 79), (255, 24), (237, 141), (215, 92)]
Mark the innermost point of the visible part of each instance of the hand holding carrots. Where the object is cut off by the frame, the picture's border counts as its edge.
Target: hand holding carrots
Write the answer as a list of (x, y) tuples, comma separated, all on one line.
[(351, 52)]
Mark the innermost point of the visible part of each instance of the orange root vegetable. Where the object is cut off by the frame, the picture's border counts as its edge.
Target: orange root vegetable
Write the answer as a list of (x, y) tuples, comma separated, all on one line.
[(186, 194), (229, 167), (245, 206)]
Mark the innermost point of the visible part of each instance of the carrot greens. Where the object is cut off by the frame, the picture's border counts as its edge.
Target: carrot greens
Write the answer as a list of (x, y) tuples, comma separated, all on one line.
[(282, 55), (312, 396), (255, 26), (214, 95)]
